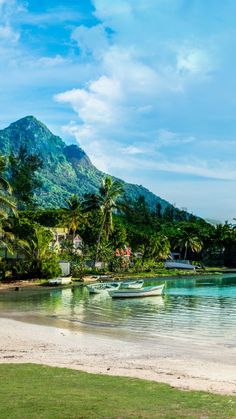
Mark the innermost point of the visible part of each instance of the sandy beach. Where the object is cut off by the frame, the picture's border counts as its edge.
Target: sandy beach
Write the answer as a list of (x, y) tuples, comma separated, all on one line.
[(188, 367)]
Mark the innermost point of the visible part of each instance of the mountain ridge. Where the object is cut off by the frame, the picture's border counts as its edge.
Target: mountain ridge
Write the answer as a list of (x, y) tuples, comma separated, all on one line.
[(67, 169)]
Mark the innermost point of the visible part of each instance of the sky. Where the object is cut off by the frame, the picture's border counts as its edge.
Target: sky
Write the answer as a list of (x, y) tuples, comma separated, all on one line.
[(145, 87)]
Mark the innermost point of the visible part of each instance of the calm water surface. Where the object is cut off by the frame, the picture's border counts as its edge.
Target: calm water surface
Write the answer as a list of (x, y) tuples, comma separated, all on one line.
[(200, 309)]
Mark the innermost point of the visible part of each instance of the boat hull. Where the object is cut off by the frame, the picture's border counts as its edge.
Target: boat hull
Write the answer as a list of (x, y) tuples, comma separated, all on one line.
[(60, 281), (101, 288), (132, 284), (178, 265), (137, 293)]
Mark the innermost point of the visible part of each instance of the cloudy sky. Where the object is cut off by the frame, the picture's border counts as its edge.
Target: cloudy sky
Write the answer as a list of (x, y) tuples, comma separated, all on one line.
[(146, 87)]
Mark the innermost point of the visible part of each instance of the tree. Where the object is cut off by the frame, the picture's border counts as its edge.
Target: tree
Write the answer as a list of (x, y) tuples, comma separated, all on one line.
[(187, 241), (24, 178), (158, 211), (156, 246), (7, 204), (41, 261), (73, 214), (106, 202), (7, 207)]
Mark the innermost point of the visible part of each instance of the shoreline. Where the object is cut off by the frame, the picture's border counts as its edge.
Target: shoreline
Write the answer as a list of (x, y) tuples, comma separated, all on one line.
[(187, 366), (34, 283)]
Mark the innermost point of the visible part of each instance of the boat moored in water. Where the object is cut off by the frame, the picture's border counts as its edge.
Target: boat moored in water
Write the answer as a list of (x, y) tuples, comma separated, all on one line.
[(102, 287), (132, 284), (150, 291), (60, 281)]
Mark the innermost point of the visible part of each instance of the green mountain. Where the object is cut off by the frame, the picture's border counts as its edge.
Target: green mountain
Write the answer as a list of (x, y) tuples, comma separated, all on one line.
[(67, 169)]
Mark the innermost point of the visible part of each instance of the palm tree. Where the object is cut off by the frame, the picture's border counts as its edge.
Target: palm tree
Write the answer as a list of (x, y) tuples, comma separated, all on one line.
[(106, 202), (36, 247), (73, 214), (156, 246), (7, 207), (6, 236), (187, 241), (222, 233), (7, 204)]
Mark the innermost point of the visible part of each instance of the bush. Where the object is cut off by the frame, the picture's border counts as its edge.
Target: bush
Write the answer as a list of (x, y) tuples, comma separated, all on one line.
[(21, 269), (4, 270), (77, 268), (50, 268)]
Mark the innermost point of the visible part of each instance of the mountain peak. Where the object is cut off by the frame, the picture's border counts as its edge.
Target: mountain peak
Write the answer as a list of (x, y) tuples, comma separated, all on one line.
[(30, 123), (27, 118), (31, 133)]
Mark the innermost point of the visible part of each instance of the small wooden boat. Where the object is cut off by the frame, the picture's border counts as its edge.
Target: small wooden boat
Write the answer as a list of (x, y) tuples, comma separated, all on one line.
[(102, 287), (151, 291), (132, 284), (91, 278), (60, 281)]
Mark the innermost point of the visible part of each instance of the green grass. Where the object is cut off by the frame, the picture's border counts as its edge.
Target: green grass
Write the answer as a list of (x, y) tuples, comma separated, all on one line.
[(36, 392), (167, 273)]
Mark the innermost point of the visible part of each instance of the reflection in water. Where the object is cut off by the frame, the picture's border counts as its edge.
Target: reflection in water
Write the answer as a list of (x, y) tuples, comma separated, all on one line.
[(201, 308)]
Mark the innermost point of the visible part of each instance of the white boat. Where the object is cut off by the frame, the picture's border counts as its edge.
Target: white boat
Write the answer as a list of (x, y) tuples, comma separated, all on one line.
[(179, 264), (102, 287), (132, 284), (60, 281), (136, 293)]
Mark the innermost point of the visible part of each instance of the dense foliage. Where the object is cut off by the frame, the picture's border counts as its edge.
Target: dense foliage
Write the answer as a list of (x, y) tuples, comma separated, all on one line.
[(151, 235), (23, 176)]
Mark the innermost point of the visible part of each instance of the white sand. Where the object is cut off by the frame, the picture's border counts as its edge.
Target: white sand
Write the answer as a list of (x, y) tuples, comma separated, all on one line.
[(189, 367)]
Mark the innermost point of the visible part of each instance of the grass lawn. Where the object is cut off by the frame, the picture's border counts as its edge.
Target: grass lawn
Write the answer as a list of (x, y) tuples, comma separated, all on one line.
[(35, 392)]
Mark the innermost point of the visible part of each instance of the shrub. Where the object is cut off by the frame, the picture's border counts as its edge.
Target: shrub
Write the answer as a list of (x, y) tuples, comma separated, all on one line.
[(77, 268), (50, 267)]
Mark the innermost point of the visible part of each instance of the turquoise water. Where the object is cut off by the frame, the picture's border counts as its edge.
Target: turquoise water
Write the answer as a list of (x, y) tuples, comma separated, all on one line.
[(200, 309)]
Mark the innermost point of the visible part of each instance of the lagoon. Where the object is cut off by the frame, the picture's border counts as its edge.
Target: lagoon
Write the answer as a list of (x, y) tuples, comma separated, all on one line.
[(197, 309)]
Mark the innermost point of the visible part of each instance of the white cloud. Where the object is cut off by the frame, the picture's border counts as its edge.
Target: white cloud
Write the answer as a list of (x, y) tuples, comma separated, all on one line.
[(125, 65), (7, 34), (105, 9), (96, 104), (106, 88), (194, 60), (132, 149), (166, 137), (55, 61), (206, 169), (8, 9), (91, 40)]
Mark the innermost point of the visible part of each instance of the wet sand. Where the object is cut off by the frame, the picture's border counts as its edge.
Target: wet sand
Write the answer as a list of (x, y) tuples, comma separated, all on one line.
[(182, 364)]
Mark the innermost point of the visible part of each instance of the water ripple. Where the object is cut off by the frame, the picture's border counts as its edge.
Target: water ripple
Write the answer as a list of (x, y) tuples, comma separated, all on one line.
[(198, 309)]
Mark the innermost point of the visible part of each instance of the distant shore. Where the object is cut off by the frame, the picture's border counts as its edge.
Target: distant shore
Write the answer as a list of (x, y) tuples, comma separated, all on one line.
[(175, 273), (184, 365)]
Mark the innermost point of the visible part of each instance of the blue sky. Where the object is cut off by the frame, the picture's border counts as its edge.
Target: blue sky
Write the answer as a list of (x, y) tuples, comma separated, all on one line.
[(146, 87)]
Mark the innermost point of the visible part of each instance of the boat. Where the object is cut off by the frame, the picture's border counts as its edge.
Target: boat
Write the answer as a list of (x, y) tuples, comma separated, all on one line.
[(132, 284), (91, 278), (60, 280), (151, 291), (179, 264), (102, 287)]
